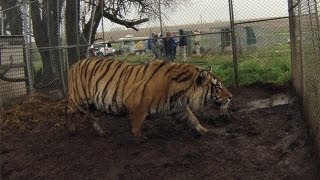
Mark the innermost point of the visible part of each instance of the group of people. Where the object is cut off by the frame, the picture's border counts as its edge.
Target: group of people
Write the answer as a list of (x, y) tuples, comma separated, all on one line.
[(166, 47)]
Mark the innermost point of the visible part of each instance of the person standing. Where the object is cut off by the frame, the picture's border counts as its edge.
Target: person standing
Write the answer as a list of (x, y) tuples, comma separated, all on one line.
[(183, 45), (155, 46), (174, 42), (197, 39), (169, 45)]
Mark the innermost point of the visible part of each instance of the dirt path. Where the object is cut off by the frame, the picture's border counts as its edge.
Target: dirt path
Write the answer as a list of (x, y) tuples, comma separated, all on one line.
[(268, 143)]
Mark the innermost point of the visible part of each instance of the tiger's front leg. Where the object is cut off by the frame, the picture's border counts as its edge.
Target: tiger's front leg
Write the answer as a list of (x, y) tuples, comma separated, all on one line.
[(187, 117)]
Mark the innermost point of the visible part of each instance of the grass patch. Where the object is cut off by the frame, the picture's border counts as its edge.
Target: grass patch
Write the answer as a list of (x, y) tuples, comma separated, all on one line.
[(265, 66)]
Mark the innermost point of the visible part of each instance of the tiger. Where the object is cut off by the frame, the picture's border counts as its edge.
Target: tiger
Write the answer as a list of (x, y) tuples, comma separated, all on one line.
[(140, 90)]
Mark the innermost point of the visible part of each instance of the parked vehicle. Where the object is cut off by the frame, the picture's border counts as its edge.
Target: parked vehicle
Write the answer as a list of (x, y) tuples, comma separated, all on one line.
[(101, 50), (134, 45)]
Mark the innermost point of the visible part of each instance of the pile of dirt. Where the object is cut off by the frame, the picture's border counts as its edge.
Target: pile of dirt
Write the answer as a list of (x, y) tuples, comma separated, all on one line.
[(33, 112)]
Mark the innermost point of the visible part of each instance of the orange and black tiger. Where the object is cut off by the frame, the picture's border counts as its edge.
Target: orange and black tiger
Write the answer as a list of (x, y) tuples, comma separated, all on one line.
[(159, 87)]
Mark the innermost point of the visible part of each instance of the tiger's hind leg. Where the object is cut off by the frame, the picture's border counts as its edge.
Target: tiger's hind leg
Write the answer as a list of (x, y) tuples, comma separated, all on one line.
[(70, 123), (136, 120), (187, 117)]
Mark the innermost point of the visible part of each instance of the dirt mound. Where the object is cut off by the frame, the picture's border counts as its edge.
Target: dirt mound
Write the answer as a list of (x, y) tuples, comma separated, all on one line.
[(33, 112)]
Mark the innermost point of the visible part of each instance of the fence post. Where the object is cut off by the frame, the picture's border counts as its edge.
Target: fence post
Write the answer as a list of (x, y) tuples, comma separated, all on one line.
[(26, 34), (234, 45), (1, 21)]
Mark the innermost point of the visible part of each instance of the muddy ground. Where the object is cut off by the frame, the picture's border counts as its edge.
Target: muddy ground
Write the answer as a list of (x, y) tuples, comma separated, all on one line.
[(268, 143)]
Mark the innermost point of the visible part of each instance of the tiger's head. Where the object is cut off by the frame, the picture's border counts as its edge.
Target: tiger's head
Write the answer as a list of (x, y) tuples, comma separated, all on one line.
[(212, 90)]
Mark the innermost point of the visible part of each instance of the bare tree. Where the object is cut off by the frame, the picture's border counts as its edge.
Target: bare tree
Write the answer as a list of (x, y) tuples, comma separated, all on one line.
[(46, 15), (116, 11)]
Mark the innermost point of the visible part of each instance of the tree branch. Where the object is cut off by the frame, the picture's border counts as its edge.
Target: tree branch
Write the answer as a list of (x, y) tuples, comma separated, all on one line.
[(128, 24)]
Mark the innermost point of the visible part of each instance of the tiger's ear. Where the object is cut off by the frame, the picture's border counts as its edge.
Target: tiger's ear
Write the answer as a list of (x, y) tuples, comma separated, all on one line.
[(201, 78)]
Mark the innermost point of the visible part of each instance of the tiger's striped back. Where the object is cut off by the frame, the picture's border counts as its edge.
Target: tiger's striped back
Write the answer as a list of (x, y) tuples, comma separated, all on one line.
[(106, 84)]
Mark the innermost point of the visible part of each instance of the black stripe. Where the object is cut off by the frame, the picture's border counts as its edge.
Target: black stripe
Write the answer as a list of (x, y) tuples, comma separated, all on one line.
[(125, 80), (85, 69), (184, 78), (105, 89), (145, 69), (168, 70), (101, 77), (206, 94), (83, 76), (154, 72), (114, 100), (93, 71), (137, 73), (180, 93), (75, 106), (104, 63), (105, 72), (178, 76), (211, 91)]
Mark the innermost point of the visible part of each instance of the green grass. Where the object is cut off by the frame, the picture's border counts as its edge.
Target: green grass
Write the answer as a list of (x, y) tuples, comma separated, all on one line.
[(270, 65), (36, 61)]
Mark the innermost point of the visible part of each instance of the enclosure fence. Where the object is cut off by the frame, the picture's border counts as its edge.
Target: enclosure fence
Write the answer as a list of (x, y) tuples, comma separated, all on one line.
[(305, 44)]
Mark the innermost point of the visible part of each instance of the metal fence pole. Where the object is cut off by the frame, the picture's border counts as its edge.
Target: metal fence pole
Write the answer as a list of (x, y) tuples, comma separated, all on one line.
[(160, 18), (59, 21), (26, 34), (234, 45), (2, 21)]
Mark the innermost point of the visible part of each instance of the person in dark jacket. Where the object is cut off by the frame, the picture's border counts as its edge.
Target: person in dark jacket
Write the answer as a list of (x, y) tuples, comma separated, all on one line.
[(169, 45), (183, 45)]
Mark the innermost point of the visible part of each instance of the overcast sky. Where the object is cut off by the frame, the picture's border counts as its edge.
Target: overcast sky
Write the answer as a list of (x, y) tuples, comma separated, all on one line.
[(218, 10)]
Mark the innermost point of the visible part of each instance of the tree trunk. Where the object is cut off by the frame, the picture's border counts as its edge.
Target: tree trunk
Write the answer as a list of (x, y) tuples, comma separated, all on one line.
[(14, 18), (46, 34), (74, 36), (96, 20), (54, 23), (41, 37)]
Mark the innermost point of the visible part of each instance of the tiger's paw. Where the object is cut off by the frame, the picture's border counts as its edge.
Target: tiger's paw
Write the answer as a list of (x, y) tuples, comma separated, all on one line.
[(201, 130), (71, 130), (139, 140)]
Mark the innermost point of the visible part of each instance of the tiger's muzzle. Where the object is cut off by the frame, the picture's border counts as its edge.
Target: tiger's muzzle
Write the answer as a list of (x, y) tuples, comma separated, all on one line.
[(224, 104)]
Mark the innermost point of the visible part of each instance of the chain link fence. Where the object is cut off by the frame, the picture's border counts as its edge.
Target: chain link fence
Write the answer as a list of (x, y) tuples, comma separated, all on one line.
[(305, 33)]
